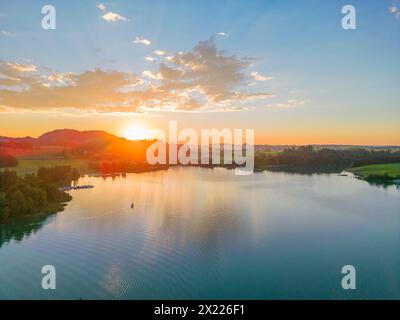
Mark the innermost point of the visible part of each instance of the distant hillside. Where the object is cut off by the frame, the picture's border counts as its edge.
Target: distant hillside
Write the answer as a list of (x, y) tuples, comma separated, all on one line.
[(23, 139), (73, 138), (74, 143), (64, 137)]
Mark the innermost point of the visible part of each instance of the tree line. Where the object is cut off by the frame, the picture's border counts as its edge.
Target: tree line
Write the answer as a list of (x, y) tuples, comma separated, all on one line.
[(308, 155), (34, 193)]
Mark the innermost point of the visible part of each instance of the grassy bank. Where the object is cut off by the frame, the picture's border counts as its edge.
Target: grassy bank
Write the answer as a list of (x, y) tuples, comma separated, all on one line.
[(31, 166), (378, 171)]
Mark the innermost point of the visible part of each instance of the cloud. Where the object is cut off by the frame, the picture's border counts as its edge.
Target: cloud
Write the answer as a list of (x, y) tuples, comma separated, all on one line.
[(113, 17), (101, 6), (97, 90), (5, 33), (204, 75), (291, 103), (151, 75), (159, 52), (19, 67), (203, 79), (141, 40), (259, 77), (395, 10), (223, 34), (60, 79)]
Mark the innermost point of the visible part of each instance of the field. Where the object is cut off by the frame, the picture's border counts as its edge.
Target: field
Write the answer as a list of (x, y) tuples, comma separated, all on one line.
[(31, 166), (389, 171)]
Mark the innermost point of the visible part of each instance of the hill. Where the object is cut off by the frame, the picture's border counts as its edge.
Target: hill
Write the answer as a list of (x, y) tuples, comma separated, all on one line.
[(69, 143), (73, 138)]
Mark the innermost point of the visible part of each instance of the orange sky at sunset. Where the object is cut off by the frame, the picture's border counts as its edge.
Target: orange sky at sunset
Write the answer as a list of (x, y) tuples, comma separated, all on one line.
[(292, 78), (138, 127)]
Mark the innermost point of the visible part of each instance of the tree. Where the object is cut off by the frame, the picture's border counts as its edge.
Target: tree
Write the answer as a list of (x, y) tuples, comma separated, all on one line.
[(7, 161), (4, 209), (17, 203)]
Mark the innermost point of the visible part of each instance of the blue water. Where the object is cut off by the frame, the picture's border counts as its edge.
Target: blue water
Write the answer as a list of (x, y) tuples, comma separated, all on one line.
[(205, 234)]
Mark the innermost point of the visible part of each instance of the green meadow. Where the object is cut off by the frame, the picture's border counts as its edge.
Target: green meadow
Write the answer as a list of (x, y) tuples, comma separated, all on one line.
[(31, 166), (388, 171)]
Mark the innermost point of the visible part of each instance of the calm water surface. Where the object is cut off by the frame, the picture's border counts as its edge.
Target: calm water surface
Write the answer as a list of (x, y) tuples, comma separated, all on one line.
[(202, 233)]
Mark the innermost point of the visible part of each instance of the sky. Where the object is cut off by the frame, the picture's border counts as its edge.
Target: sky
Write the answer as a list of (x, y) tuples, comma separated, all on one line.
[(286, 69)]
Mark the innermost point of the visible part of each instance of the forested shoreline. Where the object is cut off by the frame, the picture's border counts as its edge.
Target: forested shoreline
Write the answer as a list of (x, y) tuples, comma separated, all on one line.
[(308, 155), (32, 194)]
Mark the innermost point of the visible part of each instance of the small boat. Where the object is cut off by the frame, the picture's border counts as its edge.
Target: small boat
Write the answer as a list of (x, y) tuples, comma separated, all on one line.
[(69, 188)]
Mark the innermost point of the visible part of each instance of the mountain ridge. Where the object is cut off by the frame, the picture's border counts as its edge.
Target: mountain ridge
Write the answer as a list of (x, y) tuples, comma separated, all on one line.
[(66, 137)]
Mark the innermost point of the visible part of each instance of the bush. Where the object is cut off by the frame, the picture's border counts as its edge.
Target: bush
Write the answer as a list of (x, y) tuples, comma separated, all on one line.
[(7, 161)]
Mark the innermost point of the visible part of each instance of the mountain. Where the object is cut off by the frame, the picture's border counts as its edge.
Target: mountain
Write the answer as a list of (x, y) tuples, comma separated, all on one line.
[(65, 138), (74, 138), (74, 143), (17, 140)]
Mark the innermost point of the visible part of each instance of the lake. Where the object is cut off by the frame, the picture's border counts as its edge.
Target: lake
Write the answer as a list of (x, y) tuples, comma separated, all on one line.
[(205, 233)]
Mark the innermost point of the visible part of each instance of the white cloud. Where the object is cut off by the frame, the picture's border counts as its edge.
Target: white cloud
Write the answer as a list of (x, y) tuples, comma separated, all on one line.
[(223, 34), (394, 9), (151, 59), (259, 77), (159, 52), (101, 6), (291, 103), (62, 79), (113, 17), (208, 77), (152, 75), (141, 40), (5, 33), (19, 67)]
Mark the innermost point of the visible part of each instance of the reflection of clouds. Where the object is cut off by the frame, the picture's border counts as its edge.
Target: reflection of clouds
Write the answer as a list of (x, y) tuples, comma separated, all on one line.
[(185, 217), (112, 281), (182, 208), (193, 236), (192, 213)]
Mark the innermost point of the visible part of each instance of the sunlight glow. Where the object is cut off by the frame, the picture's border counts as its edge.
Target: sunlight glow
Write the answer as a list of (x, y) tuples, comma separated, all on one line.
[(137, 132)]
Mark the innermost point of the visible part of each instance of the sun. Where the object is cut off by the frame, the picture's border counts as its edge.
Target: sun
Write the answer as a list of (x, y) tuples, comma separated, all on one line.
[(137, 132)]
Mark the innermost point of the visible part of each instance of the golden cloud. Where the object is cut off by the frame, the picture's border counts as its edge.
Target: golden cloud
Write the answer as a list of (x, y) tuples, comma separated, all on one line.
[(203, 78)]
